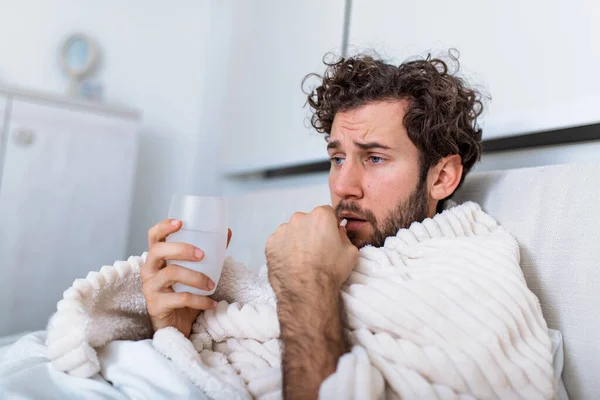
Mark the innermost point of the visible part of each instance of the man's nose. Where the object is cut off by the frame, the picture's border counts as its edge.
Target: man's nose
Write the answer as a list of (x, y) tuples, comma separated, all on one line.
[(348, 183)]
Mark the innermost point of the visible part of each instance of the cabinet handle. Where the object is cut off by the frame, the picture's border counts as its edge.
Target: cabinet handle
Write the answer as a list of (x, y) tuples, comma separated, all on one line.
[(24, 137)]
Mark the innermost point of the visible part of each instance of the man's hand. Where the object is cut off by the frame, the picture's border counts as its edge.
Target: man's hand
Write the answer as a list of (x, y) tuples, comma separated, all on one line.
[(165, 307), (310, 251), (309, 258)]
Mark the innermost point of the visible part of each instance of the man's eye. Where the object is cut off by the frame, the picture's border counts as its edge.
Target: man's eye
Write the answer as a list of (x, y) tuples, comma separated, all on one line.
[(337, 160), (376, 160)]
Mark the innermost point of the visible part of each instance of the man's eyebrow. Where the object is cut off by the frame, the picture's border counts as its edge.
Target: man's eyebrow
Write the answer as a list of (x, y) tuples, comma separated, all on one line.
[(371, 145), (333, 145)]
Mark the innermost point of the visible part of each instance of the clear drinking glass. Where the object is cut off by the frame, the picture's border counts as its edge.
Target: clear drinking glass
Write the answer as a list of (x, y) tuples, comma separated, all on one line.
[(204, 226)]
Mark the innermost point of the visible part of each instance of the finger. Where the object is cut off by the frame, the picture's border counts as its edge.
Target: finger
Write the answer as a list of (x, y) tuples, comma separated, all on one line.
[(163, 251), (160, 231), (344, 235), (177, 251), (325, 210), (229, 233), (296, 216), (326, 214), (173, 273), (151, 266), (174, 301)]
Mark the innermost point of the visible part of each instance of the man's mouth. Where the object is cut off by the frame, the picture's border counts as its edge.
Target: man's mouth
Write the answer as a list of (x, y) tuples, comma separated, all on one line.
[(354, 221), (355, 224)]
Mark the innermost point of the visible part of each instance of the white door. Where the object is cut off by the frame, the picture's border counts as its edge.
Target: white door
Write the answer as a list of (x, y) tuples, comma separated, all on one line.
[(64, 205), (275, 44)]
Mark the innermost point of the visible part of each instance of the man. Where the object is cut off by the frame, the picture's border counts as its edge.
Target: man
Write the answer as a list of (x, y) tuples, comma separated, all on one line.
[(401, 140)]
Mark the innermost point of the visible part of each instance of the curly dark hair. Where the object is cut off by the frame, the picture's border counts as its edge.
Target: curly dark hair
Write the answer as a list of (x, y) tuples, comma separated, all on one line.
[(441, 113)]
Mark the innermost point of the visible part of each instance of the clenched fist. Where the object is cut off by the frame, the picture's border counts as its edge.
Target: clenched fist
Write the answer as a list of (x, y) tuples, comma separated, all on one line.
[(310, 253)]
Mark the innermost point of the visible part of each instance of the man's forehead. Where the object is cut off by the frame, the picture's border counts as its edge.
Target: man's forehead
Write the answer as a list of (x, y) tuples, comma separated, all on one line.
[(374, 122)]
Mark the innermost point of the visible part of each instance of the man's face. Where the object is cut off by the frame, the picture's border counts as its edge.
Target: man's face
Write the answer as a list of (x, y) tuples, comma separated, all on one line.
[(374, 177)]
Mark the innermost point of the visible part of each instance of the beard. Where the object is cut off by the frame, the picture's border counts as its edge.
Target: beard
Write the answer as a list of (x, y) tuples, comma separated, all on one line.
[(413, 209)]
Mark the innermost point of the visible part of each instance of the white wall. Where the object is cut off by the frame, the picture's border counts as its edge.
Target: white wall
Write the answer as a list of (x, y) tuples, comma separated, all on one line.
[(236, 186), (272, 51), (154, 53), (537, 58), (213, 113)]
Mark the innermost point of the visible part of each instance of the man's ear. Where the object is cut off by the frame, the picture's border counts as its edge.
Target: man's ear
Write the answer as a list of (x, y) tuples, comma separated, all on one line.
[(444, 177)]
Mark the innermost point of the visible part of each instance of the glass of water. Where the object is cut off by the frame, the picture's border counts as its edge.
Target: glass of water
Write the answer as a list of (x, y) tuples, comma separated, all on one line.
[(204, 222)]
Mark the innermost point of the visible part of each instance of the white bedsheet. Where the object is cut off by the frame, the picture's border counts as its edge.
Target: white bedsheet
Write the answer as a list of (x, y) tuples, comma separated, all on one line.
[(136, 371), (7, 341)]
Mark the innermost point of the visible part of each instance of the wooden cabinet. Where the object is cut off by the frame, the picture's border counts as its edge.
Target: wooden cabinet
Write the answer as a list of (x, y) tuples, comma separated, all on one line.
[(65, 200), (537, 59), (274, 45)]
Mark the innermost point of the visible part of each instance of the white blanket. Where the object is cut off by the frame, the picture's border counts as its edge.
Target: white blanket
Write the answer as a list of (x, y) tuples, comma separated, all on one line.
[(441, 311)]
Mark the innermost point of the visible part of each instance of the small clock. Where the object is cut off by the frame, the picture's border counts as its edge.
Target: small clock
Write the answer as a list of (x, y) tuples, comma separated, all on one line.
[(79, 58)]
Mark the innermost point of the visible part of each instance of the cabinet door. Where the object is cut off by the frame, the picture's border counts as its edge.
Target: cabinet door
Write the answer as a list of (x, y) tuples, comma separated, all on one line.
[(275, 44), (64, 205), (535, 58)]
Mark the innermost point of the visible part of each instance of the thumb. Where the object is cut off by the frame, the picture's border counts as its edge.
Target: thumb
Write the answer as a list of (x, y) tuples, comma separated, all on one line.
[(344, 235)]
